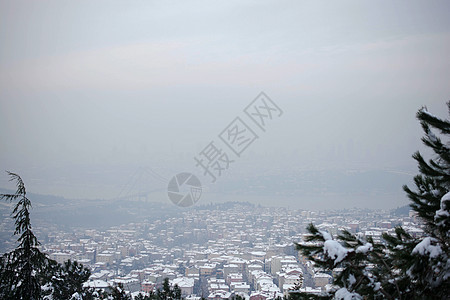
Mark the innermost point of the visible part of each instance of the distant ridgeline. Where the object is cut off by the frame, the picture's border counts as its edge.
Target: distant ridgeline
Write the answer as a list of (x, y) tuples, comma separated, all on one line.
[(96, 213), (401, 211)]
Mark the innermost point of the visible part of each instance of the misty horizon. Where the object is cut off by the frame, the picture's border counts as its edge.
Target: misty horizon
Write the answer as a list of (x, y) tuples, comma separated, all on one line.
[(91, 94)]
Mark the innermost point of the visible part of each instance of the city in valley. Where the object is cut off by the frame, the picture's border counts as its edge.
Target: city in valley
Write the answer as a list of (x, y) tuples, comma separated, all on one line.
[(215, 251)]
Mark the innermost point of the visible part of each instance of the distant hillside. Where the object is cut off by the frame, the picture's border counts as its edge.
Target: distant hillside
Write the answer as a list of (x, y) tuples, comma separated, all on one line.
[(401, 211), (69, 213), (224, 205)]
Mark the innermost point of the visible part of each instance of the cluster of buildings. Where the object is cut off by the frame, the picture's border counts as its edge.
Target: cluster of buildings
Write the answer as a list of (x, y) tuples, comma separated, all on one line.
[(215, 253)]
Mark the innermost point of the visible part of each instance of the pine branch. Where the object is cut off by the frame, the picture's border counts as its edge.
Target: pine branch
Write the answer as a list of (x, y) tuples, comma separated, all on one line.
[(443, 125)]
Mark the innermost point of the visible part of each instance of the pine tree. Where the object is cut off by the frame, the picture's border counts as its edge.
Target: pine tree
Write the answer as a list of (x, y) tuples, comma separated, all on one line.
[(168, 293), (118, 293), (26, 272), (299, 283), (401, 266), (295, 291), (428, 263), (20, 268), (141, 297), (62, 281)]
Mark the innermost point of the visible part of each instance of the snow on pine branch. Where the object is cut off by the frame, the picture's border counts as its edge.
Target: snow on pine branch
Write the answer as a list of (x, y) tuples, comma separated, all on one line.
[(326, 235), (442, 213), (344, 294), (364, 248), (333, 249), (426, 248)]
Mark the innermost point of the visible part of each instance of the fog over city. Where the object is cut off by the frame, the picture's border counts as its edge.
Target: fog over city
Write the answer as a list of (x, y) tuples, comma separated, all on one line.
[(224, 150), (97, 95)]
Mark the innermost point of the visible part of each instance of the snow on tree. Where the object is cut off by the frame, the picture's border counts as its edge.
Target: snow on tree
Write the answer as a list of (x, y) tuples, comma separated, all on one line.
[(399, 267), (429, 267), (20, 268), (26, 272)]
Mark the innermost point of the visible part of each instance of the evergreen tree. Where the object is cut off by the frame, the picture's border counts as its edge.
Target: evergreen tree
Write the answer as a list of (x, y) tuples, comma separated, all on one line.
[(299, 283), (236, 297), (176, 292), (118, 293), (168, 293), (65, 280), (20, 268), (401, 266), (294, 292), (26, 272), (140, 297), (429, 266)]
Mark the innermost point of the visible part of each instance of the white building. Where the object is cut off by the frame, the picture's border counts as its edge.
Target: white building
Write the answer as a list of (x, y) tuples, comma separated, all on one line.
[(185, 284)]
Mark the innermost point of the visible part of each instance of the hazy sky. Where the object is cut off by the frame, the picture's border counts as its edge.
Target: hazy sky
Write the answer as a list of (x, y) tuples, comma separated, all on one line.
[(92, 90)]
